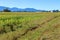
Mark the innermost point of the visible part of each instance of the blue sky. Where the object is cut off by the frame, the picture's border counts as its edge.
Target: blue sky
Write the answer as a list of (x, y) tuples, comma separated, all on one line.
[(37, 4)]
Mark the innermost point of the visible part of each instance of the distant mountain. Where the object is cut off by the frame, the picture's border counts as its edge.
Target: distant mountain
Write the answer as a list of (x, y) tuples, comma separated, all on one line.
[(1, 8), (30, 9), (14, 9)]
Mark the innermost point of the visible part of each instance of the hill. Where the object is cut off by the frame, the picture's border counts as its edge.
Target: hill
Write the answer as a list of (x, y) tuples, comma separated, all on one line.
[(14, 9)]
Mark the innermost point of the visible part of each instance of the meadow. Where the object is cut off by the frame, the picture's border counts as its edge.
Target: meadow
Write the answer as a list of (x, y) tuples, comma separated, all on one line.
[(29, 26)]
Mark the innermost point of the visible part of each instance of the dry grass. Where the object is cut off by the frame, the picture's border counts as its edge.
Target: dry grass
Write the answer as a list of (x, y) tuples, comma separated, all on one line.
[(29, 26)]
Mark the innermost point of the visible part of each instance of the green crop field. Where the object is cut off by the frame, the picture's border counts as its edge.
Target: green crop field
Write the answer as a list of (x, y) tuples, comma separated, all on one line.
[(29, 26)]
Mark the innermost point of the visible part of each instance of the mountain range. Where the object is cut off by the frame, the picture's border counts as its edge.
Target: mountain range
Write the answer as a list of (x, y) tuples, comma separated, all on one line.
[(14, 9)]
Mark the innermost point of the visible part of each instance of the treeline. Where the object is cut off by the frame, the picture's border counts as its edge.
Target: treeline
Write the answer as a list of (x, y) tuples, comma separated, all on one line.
[(7, 10)]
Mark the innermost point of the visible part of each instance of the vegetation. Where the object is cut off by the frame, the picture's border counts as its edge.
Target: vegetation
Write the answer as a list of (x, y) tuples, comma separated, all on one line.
[(56, 11), (6, 10), (29, 26)]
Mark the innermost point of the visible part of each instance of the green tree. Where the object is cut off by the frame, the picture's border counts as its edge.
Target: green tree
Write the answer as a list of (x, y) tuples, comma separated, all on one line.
[(6, 10)]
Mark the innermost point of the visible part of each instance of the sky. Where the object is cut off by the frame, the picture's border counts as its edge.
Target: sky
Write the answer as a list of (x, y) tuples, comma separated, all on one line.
[(37, 4)]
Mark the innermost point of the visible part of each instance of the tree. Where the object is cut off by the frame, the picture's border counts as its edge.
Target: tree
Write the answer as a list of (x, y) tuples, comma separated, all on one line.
[(6, 10), (55, 10)]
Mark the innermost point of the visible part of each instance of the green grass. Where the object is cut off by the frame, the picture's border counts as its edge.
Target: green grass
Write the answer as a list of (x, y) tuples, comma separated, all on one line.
[(29, 26)]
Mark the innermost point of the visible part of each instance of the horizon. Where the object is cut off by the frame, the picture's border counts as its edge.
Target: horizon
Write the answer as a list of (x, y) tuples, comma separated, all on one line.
[(36, 4)]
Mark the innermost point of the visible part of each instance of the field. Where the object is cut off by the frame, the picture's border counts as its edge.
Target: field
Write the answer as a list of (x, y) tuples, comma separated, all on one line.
[(29, 26)]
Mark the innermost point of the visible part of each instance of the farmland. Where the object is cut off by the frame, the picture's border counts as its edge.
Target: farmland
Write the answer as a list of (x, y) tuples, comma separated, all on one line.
[(29, 26)]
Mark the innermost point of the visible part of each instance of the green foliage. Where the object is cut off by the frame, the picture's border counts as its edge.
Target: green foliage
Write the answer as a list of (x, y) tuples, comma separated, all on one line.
[(6, 10)]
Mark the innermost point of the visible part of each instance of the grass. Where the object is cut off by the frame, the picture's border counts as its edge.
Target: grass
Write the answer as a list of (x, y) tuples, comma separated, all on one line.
[(29, 26)]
